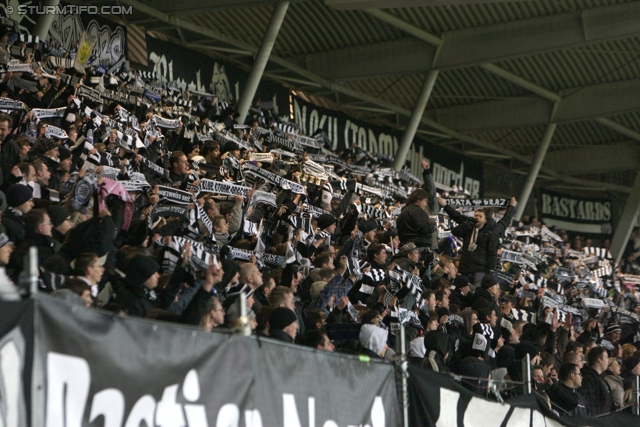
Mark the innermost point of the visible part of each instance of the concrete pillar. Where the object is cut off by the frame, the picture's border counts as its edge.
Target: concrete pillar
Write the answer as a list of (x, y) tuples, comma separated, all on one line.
[(627, 221), (262, 57), (535, 169), (414, 121), (44, 21)]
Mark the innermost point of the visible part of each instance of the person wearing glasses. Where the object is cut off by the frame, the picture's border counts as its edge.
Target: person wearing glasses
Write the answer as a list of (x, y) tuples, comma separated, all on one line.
[(566, 396), (213, 316), (89, 268)]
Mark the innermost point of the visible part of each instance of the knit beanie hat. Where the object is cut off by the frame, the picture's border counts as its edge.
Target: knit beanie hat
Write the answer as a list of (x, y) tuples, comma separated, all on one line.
[(326, 220), (631, 362), (388, 235), (45, 144), (461, 282), (488, 281), (367, 226), (282, 317), (17, 194), (524, 348), (58, 214), (612, 328), (65, 153), (140, 268)]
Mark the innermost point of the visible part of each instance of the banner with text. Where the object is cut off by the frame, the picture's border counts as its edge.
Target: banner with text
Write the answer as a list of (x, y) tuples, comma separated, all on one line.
[(449, 168), (198, 72), (16, 361), (127, 371), (67, 30), (436, 400), (575, 214)]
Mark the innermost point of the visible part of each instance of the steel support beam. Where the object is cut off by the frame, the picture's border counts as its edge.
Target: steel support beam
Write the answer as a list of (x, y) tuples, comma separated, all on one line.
[(595, 158), (44, 20), (192, 7), (523, 83), (262, 58), (437, 127), (591, 102), (425, 36), (219, 49), (387, 4), (476, 46), (414, 120), (535, 169), (627, 221), (416, 32), (619, 128), (397, 57)]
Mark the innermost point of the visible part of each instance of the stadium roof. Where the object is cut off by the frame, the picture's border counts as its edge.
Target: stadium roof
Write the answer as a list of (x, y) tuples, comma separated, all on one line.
[(506, 70)]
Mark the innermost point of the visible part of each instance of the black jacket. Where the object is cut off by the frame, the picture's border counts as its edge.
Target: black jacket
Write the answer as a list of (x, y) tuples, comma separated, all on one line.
[(459, 299), (280, 335), (194, 311), (595, 391), (44, 244), (568, 399), (432, 202), (498, 228), (14, 227), (9, 157), (414, 226), (482, 298), (136, 299), (628, 379), (437, 344), (484, 257)]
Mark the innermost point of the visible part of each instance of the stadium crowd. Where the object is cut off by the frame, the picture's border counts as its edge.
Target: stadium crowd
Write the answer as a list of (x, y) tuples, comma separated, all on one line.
[(148, 202)]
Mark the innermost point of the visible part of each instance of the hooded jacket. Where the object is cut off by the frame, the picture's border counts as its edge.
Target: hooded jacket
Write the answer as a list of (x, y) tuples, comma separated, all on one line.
[(13, 221), (139, 300), (436, 344), (373, 338), (45, 245), (483, 298)]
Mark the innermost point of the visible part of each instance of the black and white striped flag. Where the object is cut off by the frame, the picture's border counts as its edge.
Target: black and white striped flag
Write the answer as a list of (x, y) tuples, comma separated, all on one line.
[(148, 75)]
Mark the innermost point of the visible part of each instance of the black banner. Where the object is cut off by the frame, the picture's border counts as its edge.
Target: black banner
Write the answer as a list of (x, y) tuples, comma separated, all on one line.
[(573, 214), (436, 400), (16, 361), (67, 29), (122, 371), (449, 168), (197, 72), (96, 367)]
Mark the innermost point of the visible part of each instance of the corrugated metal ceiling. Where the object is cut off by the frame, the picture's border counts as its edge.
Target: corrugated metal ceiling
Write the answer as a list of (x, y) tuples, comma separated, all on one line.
[(311, 27)]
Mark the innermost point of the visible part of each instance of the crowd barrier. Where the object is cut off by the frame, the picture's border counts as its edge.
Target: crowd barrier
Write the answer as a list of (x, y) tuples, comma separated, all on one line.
[(64, 365)]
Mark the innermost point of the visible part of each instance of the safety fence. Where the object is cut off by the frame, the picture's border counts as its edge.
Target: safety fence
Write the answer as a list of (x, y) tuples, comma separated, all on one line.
[(64, 365)]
